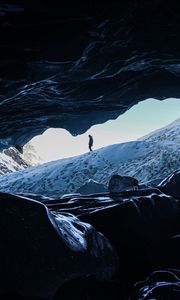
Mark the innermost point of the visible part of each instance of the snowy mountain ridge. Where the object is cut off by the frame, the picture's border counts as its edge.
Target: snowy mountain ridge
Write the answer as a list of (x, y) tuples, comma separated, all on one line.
[(11, 160), (152, 157)]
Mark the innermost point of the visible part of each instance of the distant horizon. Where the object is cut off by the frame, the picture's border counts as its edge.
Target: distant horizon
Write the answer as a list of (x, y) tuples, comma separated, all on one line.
[(142, 119)]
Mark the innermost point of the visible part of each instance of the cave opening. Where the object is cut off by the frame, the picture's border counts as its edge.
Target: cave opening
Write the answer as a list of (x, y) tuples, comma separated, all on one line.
[(141, 119), (142, 143)]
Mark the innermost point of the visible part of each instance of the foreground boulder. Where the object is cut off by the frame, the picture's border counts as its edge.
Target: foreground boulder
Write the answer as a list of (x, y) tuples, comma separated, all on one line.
[(39, 251), (144, 231), (119, 183), (143, 227)]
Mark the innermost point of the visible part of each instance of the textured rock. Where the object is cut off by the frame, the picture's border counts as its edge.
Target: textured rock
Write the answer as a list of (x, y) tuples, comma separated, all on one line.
[(63, 255), (119, 183), (143, 229), (39, 251), (78, 64)]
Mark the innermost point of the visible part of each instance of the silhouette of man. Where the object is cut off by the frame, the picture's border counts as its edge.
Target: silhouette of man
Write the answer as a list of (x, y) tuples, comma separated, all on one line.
[(90, 142)]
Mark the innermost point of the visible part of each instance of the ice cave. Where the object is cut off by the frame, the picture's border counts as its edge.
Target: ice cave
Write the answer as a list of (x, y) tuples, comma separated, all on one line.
[(114, 229)]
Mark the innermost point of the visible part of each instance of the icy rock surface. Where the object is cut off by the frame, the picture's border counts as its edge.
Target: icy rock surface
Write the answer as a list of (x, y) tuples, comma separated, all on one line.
[(65, 246), (40, 251), (143, 226), (75, 65)]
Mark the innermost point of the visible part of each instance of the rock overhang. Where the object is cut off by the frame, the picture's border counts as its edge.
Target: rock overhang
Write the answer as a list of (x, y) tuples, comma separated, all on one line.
[(82, 63)]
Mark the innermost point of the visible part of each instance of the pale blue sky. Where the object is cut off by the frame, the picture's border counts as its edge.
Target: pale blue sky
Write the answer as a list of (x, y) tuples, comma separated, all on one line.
[(140, 120)]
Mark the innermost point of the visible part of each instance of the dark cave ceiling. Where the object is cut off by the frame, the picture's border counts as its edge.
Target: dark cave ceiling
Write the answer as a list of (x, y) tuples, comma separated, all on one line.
[(80, 63)]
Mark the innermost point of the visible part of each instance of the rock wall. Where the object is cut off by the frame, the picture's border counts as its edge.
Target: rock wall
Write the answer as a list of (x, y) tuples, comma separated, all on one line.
[(75, 65)]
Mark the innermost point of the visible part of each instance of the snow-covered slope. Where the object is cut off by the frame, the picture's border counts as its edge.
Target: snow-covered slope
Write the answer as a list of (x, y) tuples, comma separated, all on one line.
[(166, 136), (154, 156), (11, 160)]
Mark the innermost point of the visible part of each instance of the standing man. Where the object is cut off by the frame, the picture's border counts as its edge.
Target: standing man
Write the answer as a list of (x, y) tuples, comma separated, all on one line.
[(90, 142)]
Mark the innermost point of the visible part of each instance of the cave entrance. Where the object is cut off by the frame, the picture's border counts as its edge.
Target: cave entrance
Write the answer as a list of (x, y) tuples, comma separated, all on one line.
[(143, 143), (142, 119)]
